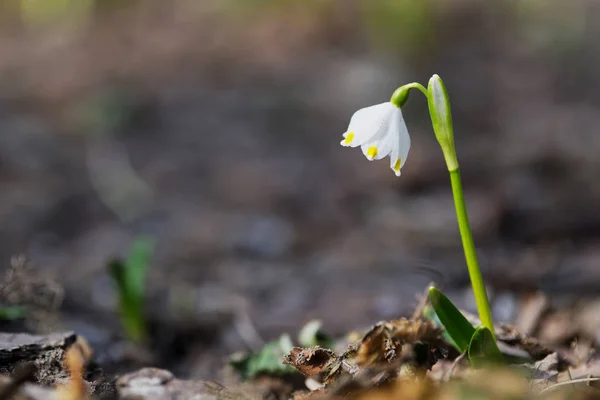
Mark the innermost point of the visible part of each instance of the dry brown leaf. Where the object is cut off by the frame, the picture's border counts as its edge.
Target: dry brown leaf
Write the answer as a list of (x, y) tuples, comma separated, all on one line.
[(383, 343), (311, 361)]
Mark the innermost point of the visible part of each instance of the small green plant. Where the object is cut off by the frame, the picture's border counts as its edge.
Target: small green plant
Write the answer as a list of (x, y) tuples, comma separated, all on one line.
[(130, 279), (479, 344), (12, 313), (379, 131), (268, 360)]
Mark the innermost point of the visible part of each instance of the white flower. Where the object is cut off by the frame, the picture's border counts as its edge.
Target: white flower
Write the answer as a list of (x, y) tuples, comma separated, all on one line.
[(380, 131)]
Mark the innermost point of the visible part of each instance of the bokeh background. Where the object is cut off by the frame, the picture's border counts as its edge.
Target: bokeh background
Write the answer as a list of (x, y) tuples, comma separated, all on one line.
[(213, 127)]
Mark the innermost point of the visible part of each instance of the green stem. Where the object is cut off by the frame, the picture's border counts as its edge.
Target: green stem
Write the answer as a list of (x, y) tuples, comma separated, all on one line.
[(400, 95), (481, 298), (417, 85)]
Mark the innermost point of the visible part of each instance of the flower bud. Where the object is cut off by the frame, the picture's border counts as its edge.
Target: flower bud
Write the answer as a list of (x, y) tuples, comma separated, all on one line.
[(441, 118)]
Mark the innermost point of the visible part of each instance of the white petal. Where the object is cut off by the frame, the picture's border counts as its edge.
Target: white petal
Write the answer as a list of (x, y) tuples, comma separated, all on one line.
[(380, 146), (367, 123), (404, 142), (395, 159), (386, 140), (401, 144)]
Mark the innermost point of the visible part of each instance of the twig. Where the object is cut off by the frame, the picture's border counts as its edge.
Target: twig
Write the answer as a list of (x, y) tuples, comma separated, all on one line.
[(580, 380), (454, 364)]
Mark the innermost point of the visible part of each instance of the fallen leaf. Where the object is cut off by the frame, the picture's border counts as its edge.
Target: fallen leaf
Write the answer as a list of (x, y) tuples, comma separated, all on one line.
[(311, 361)]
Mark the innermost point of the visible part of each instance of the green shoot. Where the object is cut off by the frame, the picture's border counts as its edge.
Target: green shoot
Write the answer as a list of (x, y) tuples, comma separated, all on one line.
[(479, 344), (266, 361), (130, 277), (11, 313)]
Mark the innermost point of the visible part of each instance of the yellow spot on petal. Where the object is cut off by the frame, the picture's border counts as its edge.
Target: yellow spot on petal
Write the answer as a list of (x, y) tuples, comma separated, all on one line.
[(372, 152), (349, 138), (397, 165)]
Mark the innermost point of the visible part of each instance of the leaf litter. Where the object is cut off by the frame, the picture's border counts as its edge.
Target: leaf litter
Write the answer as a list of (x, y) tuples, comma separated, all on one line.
[(410, 358)]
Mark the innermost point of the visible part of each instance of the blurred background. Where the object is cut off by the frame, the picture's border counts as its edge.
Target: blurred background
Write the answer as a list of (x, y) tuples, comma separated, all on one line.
[(213, 127)]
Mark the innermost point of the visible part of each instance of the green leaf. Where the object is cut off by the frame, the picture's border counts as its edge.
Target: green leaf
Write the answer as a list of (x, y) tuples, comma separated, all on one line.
[(267, 361), (429, 313), (137, 265), (483, 349), (460, 330), (116, 270), (130, 279), (11, 313)]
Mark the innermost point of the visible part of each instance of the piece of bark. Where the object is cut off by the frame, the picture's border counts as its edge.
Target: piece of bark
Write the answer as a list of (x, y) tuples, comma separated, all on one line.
[(45, 352)]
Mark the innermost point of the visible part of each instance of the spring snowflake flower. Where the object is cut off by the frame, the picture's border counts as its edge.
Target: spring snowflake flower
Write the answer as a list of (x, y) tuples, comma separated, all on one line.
[(380, 131)]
